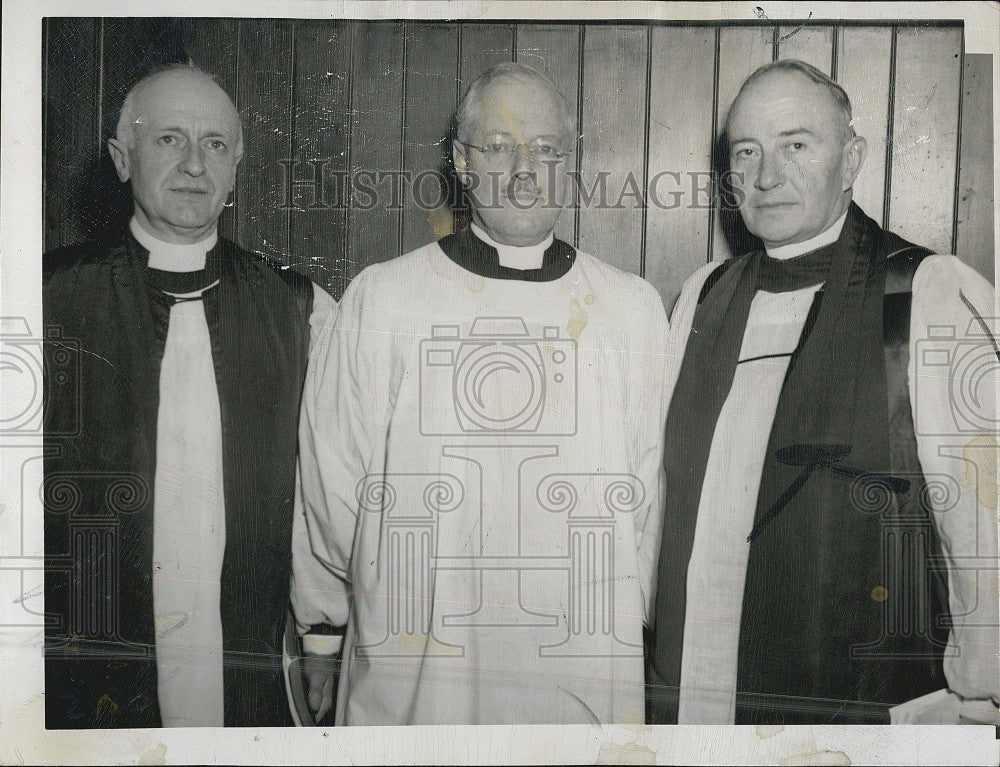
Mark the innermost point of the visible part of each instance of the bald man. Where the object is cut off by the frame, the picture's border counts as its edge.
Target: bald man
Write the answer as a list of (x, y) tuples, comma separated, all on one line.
[(829, 547), (169, 477)]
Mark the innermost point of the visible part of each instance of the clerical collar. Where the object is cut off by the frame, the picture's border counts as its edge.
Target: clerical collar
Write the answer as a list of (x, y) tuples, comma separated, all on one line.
[(479, 257), (802, 264), (825, 237), (175, 269), (514, 256), (172, 256)]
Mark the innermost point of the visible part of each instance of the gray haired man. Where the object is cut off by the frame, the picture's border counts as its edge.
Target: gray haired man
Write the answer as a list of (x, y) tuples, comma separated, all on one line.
[(480, 454)]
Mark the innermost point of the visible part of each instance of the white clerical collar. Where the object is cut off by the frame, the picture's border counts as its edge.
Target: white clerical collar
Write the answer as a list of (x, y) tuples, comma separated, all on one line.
[(514, 256), (798, 248), (172, 256)]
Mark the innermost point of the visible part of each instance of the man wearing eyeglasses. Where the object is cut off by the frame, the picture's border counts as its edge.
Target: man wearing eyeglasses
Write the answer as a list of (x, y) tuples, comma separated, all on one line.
[(480, 449)]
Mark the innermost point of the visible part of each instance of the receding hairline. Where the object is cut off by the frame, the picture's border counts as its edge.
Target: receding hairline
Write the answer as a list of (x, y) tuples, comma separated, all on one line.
[(470, 108), (838, 97), (125, 129)]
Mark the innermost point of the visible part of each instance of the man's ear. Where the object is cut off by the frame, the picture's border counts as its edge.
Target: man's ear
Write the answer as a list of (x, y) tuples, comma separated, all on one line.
[(119, 155), (460, 157), (855, 152)]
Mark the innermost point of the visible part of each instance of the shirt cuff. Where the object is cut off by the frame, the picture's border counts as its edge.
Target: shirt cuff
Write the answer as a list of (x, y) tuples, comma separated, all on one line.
[(322, 644)]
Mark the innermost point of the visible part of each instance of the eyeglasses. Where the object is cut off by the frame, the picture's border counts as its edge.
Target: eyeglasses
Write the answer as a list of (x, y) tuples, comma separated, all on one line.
[(503, 149)]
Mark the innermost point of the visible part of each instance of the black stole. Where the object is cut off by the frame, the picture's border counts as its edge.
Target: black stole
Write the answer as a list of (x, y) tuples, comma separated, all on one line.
[(812, 641), (107, 317)]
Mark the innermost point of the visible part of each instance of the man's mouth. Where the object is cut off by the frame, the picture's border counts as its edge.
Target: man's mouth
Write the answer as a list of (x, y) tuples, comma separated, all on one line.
[(522, 193), (769, 206), (189, 190)]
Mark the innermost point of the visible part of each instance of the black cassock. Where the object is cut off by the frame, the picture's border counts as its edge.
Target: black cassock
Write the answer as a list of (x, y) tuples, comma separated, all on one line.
[(106, 316)]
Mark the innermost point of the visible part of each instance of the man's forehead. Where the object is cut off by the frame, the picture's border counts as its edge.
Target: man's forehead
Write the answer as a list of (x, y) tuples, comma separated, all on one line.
[(184, 100), (509, 104), (784, 101)]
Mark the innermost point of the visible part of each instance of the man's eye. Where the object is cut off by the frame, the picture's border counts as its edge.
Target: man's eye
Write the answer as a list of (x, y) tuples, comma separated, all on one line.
[(218, 146), (168, 140), (797, 146), (497, 147), (743, 154), (544, 150)]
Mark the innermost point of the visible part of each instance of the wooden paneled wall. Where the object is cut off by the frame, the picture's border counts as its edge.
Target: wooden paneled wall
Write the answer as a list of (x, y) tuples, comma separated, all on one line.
[(328, 101)]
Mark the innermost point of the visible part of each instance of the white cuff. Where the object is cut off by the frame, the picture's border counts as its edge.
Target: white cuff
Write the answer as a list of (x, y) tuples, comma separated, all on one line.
[(321, 644)]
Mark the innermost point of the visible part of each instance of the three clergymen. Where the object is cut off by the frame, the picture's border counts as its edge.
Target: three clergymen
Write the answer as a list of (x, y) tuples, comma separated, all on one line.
[(492, 464)]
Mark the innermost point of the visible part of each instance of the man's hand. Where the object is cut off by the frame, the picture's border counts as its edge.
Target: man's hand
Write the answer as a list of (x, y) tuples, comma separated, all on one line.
[(319, 672)]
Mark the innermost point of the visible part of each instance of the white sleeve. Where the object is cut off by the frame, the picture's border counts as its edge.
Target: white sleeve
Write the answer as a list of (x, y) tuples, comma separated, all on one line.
[(648, 413), (953, 378), (338, 432), (317, 596)]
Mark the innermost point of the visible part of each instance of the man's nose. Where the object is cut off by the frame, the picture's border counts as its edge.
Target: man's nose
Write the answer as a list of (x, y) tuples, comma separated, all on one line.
[(193, 161), (522, 162), (770, 172)]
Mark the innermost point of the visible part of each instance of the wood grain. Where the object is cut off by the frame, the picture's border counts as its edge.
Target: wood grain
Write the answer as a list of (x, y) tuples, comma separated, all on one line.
[(320, 148), (612, 147), (264, 94), (863, 61), (680, 124), (975, 184), (925, 135), (376, 144)]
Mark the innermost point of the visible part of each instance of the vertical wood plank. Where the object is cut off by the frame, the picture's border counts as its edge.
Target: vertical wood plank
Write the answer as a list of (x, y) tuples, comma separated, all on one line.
[(554, 50), (680, 129), (863, 64), (741, 51), (483, 45), (264, 93), (925, 135), (376, 145), (322, 110), (72, 142), (431, 67), (213, 45), (975, 202), (612, 147), (813, 45)]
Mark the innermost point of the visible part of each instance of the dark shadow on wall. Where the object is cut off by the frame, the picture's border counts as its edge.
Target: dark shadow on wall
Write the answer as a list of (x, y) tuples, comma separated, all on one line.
[(738, 237)]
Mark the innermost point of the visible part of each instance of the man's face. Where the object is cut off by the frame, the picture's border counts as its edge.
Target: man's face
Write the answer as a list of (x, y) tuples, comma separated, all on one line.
[(182, 160), (515, 198), (794, 164)]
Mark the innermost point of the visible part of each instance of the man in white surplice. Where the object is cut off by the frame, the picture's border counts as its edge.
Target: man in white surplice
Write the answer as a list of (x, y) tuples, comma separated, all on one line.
[(480, 449), (818, 477)]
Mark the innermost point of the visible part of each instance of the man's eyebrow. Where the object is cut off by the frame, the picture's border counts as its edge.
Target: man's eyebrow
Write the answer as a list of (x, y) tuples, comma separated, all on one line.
[(795, 132), (212, 133)]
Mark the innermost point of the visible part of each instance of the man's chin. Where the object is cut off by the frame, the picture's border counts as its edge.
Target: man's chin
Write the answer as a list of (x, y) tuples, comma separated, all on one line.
[(519, 227), (769, 231)]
